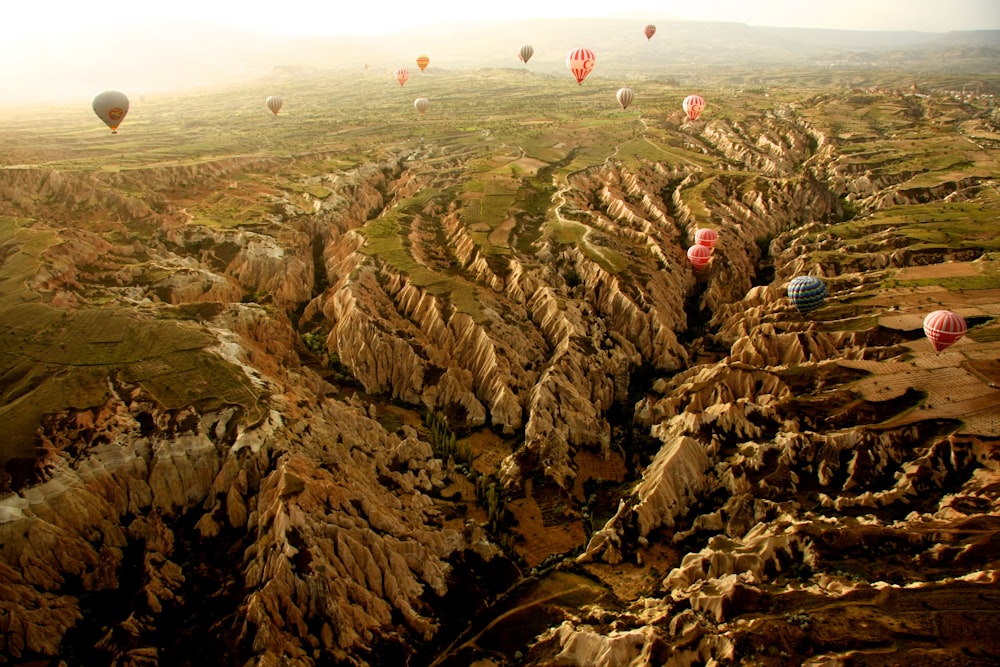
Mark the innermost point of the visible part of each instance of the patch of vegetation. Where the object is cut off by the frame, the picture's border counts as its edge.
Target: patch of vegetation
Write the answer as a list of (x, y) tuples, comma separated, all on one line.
[(443, 440)]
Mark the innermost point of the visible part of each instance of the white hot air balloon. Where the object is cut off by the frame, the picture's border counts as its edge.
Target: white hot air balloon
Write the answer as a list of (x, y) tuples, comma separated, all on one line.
[(111, 107), (274, 104), (625, 97)]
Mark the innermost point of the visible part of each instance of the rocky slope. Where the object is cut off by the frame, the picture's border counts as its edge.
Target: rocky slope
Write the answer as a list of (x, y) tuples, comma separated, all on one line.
[(255, 468)]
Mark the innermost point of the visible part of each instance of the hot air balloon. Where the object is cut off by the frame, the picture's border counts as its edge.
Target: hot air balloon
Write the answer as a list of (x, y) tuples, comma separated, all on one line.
[(111, 107), (402, 75), (625, 97), (699, 255), (580, 62), (693, 106), (706, 237), (422, 62), (524, 55), (649, 31), (806, 293), (943, 327), (421, 104), (274, 104)]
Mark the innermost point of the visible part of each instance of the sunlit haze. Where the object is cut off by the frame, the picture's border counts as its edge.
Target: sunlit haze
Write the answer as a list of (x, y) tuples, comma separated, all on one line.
[(43, 20), (51, 47)]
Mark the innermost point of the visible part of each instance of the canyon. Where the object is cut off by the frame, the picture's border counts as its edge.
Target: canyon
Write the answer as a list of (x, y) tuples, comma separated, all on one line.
[(458, 397)]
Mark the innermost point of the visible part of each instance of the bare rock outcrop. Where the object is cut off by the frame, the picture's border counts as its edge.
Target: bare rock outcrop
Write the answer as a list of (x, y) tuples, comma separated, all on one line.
[(307, 415)]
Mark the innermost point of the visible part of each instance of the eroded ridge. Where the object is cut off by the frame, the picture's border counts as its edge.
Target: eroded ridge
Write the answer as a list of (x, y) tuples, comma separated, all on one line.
[(303, 409)]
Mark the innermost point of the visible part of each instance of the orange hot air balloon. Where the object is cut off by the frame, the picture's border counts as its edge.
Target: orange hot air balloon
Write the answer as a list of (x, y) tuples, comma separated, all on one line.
[(625, 97), (693, 106), (943, 328), (649, 31), (525, 53), (581, 63), (402, 75), (422, 62), (699, 255), (706, 237), (111, 107), (274, 104)]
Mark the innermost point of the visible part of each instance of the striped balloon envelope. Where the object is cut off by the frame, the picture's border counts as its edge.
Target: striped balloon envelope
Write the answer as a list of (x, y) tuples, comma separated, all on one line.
[(525, 53), (421, 104), (649, 31), (699, 256), (693, 106), (806, 293), (423, 62), (943, 327), (401, 74), (625, 97), (706, 236), (581, 63), (274, 103)]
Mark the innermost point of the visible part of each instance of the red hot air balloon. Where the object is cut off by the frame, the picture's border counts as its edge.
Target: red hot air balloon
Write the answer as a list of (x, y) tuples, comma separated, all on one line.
[(693, 106), (402, 75), (580, 62), (422, 62), (699, 255), (274, 104), (943, 328), (649, 31), (525, 53), (706, 237)]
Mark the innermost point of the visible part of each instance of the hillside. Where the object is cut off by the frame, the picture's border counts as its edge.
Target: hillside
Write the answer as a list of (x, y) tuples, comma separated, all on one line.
[(354, 385)]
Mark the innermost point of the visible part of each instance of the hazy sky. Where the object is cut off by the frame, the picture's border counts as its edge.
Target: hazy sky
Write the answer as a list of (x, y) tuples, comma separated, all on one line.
[(65, 49), (34, 21)]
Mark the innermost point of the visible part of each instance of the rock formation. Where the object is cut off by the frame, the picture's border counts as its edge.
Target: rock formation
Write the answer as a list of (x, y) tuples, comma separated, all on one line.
[(225, 384)]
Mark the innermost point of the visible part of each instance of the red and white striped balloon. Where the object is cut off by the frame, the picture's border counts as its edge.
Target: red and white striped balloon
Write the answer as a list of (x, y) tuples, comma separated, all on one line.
[(402, 74), (699, 256), (706, 237), (943, 327), (580, 62), (693, 106)]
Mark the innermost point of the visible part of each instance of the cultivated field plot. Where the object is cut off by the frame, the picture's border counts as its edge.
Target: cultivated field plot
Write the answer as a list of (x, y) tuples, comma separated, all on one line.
[(54, 362), (950, 391), (951, 385)]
